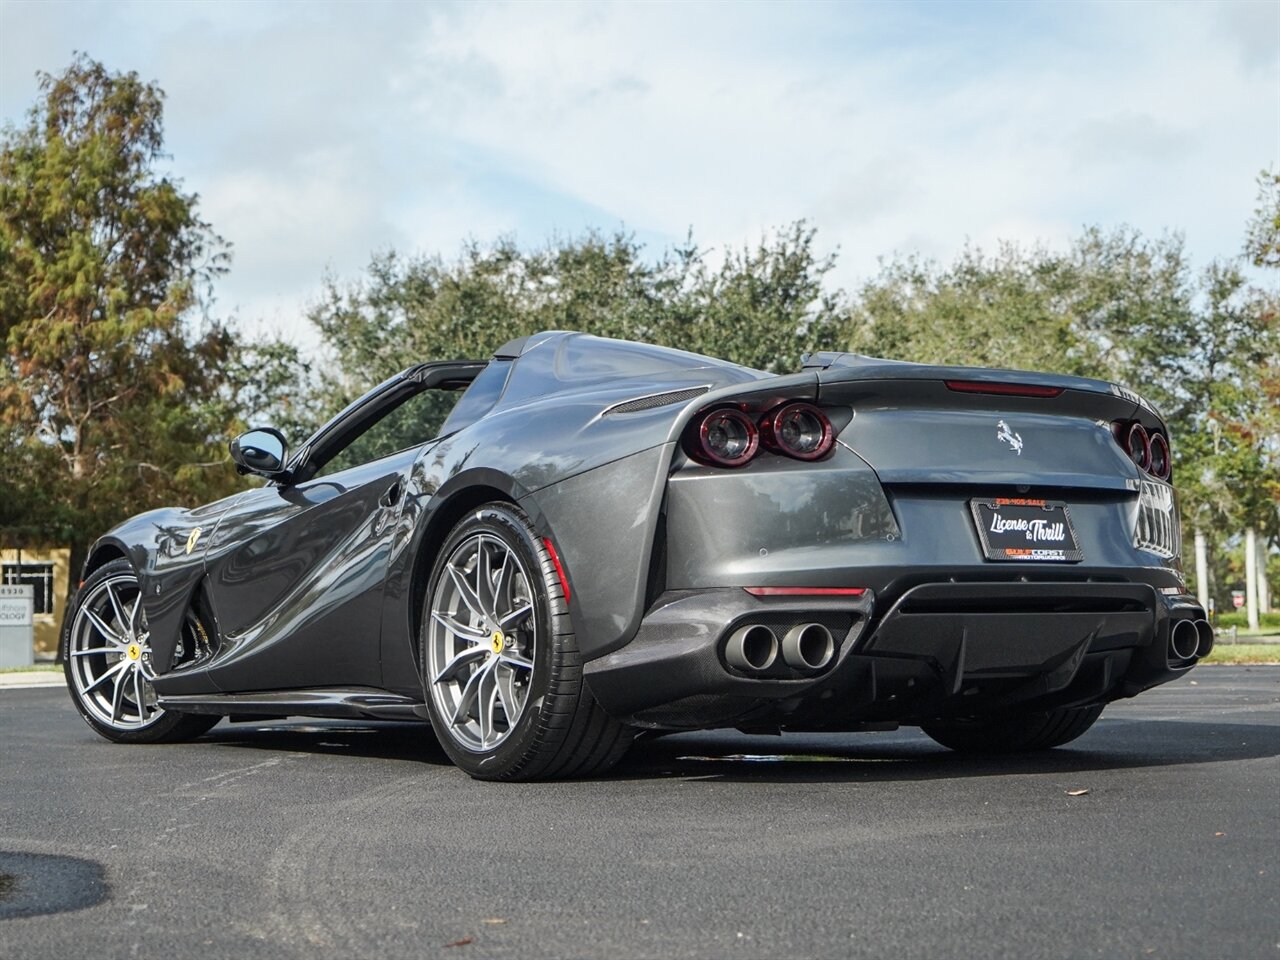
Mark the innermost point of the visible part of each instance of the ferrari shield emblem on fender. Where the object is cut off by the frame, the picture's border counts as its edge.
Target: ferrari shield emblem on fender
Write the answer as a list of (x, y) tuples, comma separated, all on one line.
[(192, 538)]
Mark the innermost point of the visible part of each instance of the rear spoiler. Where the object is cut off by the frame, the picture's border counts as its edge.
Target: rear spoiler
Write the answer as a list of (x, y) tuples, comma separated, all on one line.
[(848, 368)]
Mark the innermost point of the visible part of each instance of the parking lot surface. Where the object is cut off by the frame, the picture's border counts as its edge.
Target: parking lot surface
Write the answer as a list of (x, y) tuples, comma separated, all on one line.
[(317, 839)]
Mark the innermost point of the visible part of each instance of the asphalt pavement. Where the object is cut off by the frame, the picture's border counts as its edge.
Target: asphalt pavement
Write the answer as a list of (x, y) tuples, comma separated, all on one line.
[(331, 839)]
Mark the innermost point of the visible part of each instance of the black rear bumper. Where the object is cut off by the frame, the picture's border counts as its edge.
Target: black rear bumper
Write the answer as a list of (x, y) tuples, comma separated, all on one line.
[(941, 649)]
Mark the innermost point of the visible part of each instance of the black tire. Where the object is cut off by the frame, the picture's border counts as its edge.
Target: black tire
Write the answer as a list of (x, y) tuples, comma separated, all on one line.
[(561, 732), (1018, 733), (166, 726)]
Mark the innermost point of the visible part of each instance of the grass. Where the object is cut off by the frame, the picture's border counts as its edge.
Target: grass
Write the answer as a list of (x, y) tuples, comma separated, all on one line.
[(1245, 632), (1244, 653), (39, 667)]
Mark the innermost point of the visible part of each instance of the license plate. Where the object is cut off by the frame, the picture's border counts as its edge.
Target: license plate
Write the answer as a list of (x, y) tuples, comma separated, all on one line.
[(1026, 530)]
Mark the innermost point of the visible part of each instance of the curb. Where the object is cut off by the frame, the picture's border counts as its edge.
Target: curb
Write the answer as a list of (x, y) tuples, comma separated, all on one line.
[(28, 680)]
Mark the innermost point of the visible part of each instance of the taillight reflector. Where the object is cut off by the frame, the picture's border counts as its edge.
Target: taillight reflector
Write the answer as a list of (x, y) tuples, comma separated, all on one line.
[(555, 562), (805, 591)]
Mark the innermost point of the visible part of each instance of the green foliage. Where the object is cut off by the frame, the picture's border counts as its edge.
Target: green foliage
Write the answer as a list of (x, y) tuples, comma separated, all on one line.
[(112, 393), (1238, 618), (1262, 240), (760, 306)]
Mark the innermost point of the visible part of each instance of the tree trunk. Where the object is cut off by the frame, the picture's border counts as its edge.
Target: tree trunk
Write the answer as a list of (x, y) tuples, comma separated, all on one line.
[(1264, 588), (1251, 577), (1202, 570), (75, 565)]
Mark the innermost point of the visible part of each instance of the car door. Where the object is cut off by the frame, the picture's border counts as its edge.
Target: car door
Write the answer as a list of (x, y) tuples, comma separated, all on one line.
[(297, 571)]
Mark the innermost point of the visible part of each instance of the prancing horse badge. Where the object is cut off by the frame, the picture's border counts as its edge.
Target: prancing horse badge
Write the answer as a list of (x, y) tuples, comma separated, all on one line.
[(1005, 435)]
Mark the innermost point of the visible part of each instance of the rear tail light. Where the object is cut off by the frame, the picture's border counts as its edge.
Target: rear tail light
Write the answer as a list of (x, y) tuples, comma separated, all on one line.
[(1138, 445), (1161, 463), (798, 430), (1148, 449), (724, 438)]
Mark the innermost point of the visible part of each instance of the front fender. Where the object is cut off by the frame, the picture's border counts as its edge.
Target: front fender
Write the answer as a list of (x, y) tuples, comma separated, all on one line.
[(166, 548)]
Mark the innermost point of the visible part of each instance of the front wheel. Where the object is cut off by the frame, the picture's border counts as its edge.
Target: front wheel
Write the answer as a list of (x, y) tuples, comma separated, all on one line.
[(500, 661), (1016, 733), (107, 662)]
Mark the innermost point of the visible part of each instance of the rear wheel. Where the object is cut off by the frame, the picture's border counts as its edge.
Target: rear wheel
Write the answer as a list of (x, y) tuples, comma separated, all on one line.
[(1015, 733), (107, 661), (500, 661)]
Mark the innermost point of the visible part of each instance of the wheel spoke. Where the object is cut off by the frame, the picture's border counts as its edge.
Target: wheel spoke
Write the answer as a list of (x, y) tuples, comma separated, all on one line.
[(507, 692), (107, 633), (133, 614), (117, 696), (451, 668), (515, 660), (484, 576), (106, 675), (487, 694), (115, 606), (509, 620), (468, 695), (85, 653), (465, 592), (466, 631), (137, 694), (502, 586)]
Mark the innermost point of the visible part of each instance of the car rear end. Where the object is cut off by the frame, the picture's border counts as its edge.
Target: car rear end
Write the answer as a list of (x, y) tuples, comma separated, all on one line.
[(872, 542)]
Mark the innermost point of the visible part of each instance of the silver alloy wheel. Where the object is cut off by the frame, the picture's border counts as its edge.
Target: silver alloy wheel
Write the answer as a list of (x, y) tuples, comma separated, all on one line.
[(110, 651), (480, 642)]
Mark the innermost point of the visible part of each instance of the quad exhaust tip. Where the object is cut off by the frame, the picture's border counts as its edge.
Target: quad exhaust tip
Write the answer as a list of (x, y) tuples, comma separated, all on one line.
[(1205, 633), (752, 648), (808, 646), (1190, 639)]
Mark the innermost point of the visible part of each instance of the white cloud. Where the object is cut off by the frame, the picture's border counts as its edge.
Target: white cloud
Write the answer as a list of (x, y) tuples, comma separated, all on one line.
[(319, 133)]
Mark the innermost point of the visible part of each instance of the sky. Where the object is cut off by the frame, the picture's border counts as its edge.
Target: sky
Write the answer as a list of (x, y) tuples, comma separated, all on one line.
[(316, 134)]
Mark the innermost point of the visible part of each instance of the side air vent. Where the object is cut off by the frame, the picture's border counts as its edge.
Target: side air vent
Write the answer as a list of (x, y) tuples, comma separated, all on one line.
[(655, 400)]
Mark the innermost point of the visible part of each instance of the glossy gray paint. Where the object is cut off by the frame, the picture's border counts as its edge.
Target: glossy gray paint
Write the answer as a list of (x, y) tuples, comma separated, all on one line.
[(316, 584)]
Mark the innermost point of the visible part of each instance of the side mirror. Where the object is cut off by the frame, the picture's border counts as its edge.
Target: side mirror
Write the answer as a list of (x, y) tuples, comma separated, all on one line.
[(261, 452)]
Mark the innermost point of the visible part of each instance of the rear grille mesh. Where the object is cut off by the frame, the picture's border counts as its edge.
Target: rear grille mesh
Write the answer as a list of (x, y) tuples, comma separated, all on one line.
[(1158, 529)]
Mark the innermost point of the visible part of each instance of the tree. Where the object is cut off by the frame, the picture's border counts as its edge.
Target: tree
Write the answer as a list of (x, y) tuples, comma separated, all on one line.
[(760, 306), (1262, 237), (112, 392)]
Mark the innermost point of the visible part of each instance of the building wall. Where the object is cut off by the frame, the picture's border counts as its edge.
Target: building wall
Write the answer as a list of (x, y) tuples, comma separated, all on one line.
[(48, 626)]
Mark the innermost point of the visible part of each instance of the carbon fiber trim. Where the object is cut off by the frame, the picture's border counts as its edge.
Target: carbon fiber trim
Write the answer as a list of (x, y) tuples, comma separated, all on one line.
[(655, 400)]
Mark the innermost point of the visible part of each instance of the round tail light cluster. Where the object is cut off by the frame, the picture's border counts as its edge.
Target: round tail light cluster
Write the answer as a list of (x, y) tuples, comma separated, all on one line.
[(727, 437), (1149, 450)]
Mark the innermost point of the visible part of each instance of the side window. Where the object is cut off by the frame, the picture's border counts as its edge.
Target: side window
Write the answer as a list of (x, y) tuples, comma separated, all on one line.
[(411, 424)]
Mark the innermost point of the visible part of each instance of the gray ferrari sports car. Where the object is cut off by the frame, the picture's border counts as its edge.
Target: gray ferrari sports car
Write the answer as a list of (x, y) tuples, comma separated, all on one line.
[(544, 553)]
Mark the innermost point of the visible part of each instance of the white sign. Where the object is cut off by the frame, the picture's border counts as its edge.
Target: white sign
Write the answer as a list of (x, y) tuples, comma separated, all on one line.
[(15, 606), (16, 603)]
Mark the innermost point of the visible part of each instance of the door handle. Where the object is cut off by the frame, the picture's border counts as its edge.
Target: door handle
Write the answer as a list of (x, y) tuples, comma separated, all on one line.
[(391, 497)]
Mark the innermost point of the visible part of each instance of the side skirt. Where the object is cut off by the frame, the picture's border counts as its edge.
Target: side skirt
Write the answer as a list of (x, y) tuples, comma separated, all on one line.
[(366, 703)]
